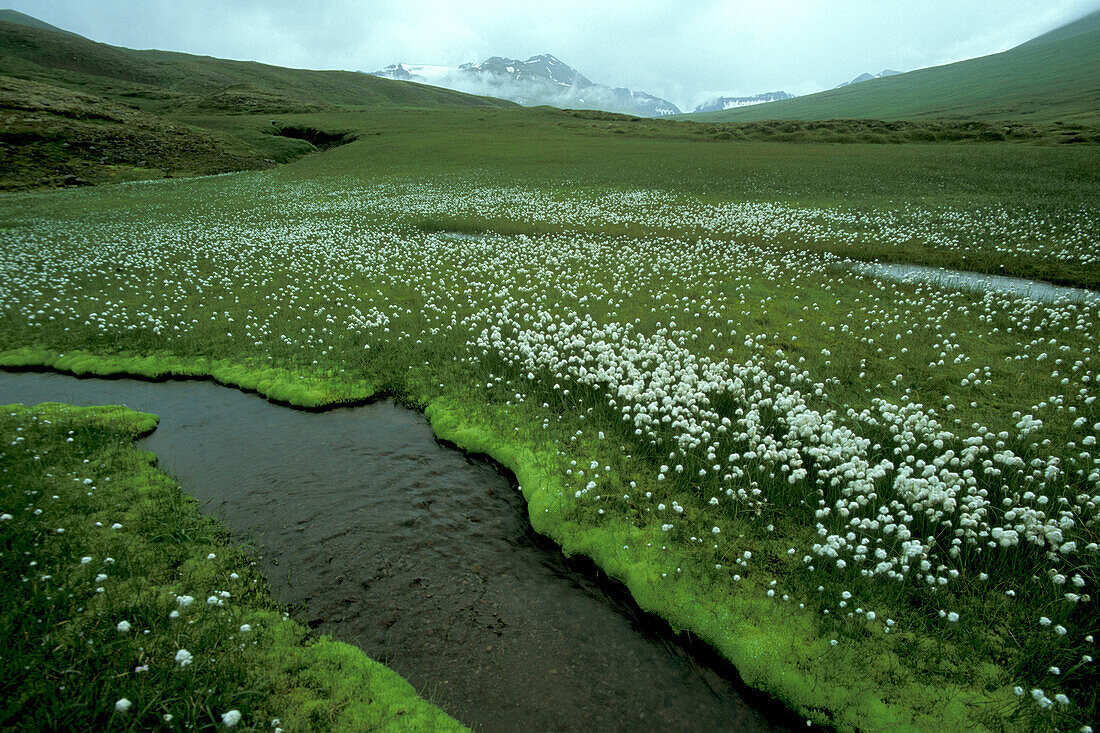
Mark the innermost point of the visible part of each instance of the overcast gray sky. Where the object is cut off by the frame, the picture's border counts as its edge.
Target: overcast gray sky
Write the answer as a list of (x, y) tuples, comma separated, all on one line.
[(685, 51)]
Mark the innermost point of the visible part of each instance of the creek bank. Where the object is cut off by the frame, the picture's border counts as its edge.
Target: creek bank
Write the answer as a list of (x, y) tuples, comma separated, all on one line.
[(425, 559), (150, 550), (774, 648)]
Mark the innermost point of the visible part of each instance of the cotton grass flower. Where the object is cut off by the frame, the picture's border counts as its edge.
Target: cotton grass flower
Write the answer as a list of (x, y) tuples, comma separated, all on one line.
[(686, 365)]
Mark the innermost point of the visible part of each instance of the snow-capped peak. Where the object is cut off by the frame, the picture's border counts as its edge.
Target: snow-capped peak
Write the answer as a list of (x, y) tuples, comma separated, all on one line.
[(541, 79)]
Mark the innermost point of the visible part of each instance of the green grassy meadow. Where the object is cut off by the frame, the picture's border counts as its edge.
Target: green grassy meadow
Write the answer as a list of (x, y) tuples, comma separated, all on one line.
[(547, 148), (878, 499)]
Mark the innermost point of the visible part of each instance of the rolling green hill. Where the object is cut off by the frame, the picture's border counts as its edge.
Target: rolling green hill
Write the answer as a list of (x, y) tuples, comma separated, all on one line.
[(163, 81), (1087, 24), (1053, 77), (76, 112), (55, 136), (14, 16)]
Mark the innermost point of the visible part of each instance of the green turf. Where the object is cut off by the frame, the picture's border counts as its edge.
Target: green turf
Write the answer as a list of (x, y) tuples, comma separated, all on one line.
[(51, 135), (76, 111)]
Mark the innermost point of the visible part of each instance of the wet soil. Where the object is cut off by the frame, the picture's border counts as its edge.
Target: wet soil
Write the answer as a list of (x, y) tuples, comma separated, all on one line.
[(373, 531)]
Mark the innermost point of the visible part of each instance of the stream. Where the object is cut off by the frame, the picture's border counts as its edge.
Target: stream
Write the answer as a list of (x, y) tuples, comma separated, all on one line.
[(371, 530), (960, 280)]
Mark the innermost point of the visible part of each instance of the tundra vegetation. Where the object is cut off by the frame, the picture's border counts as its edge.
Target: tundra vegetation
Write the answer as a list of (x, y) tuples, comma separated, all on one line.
[(879, 499)]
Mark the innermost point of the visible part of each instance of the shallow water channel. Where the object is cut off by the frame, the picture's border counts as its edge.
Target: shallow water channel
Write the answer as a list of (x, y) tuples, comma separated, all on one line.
[(375, 532), (960, 280)]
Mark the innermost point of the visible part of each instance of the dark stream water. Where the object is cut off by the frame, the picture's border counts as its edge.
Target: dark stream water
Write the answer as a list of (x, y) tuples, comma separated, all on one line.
[(376, 533)]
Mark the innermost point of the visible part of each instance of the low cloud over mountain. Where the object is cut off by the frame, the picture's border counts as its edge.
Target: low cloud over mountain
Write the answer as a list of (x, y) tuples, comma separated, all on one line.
[(539, 80)]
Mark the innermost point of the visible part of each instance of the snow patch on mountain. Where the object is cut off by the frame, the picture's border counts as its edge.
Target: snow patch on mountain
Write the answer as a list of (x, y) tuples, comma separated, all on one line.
[(723, 103), (542, 79)]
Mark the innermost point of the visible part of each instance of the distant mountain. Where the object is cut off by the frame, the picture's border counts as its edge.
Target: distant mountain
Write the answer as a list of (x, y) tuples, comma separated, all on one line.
[(541, 79), (724, 103), (1054, 77), (868, 77)]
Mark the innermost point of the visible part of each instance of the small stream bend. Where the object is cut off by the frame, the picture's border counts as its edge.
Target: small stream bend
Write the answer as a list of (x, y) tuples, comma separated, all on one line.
[(374, 532)]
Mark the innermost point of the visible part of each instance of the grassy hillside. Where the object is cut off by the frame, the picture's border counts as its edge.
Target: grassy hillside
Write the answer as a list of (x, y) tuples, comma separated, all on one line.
[(1088, 24), (73, 111), (14, 16), (1054, 77), (163, 81), (55, 136)]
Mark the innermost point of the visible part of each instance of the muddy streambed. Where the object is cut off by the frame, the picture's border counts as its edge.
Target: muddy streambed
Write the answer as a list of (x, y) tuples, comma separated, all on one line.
[(376, 533)]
